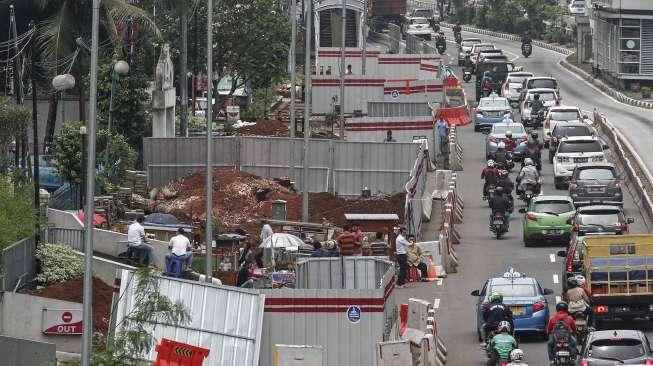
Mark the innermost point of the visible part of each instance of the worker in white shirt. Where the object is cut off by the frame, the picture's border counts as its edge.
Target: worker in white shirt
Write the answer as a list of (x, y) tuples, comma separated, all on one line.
[(137, 240), (180, 247), (266, 230), (401, 245)]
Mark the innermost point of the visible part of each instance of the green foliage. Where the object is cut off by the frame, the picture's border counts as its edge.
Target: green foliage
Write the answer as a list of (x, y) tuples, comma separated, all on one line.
[(67, 150), (263, 98), (524, 15), (59, 263), (135, 334), (17, 214), (14, 120)]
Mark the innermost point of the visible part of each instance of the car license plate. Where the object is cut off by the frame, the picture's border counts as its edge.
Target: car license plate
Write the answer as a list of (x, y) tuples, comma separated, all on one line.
[(498, 222), (580, 160), (597, 189), (493, 114), (552, 232), (517, 310), (581, 323), (529, 192), (563, 353)]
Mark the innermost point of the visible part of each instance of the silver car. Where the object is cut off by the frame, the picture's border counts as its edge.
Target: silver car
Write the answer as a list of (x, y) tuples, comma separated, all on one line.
[(466, 45), (512, 86)]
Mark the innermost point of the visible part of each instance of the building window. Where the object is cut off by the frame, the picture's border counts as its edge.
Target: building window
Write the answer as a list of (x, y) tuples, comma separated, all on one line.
[(629, 46)]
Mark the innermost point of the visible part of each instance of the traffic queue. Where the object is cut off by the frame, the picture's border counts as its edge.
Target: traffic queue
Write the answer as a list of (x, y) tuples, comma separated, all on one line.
[(605, 275)]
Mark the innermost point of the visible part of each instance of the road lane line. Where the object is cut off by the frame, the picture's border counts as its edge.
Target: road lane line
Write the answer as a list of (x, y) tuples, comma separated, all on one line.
[(436, 303), (558, 299), (555, 279), (552, 257)]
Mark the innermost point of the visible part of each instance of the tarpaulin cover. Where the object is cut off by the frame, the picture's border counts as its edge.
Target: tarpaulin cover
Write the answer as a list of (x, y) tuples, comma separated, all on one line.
[(161, 219), (97, 218)]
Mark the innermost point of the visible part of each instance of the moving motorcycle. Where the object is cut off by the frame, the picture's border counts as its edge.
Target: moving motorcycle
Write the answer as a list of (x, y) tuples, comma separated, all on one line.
[(458, 37), (582, 327), (499, 225), (490, 192), (467, 75), (538, 118), (526, 49), (530, 190), (563, 354), (441, 46)]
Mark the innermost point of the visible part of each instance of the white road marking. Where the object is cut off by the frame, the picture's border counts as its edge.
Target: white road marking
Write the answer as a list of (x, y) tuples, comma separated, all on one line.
[(558, 299), (552, 257), (436, 303), (439, 282), (514, 54), (555, 279)]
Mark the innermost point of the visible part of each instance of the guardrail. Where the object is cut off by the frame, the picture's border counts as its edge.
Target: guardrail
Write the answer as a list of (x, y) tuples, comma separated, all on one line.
[(455, 151), (449, 201), (639, 180)]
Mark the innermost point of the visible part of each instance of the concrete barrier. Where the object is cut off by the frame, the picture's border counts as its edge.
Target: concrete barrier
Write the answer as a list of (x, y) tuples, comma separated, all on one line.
[(24, 352), (456, 151)]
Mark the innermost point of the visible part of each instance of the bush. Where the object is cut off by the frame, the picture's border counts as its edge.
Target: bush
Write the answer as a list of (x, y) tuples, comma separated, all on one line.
[(59, 263), (18, 218)]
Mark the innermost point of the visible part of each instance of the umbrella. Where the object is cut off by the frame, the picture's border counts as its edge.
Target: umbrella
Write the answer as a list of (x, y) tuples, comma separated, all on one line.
[(161, 219), (97, 218), (282, 240)]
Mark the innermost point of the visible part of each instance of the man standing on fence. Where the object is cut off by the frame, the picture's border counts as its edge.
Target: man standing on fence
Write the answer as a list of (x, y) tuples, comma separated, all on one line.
[(401, 245), (443, 135)]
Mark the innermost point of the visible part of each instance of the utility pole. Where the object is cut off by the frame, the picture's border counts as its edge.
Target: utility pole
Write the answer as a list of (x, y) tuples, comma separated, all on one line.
[(343, 29), (209, 141), (87, 321), (364, 63), (19, 157), (183, 71), (307, 107), (35, 141), (293, 85), (194, 60)]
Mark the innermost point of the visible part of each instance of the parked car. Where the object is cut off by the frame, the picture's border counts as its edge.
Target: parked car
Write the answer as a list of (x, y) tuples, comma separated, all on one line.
[(549, 98), (612, 347), (525, 297), (513, 84), (477, 48), (577, 8), (491, 110), (538, 82), (562, 130), (465, 46), (498, 133), (596, 183), (419, 27), (573, 151), (562, 114), (548, 219), (600, 219)]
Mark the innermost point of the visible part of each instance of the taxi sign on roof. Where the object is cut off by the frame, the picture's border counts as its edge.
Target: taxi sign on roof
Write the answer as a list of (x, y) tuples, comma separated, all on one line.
[(511, 274)]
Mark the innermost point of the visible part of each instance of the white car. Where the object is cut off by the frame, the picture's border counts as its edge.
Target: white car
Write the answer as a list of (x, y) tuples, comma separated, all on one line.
[(562, 114), (477, 48), (577, 7), (466, 45), (419, 27), (549, 99), (512, 87), (572, 151)]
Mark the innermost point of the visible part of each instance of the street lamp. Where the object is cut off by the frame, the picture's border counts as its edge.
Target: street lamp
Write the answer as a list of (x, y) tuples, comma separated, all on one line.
[(120, 68)]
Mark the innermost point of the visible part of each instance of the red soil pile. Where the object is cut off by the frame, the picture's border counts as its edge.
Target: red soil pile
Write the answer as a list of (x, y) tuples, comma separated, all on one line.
[(264, 127)]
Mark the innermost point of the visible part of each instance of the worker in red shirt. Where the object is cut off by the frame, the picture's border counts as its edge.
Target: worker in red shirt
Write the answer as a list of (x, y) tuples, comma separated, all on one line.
[(561, 322)]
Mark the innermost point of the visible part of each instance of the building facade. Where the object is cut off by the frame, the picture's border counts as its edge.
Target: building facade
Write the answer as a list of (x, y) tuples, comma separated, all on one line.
[(623, 40)]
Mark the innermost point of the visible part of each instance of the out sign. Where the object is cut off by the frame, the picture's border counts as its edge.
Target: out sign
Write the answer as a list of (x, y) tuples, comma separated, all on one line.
[(62, 321)]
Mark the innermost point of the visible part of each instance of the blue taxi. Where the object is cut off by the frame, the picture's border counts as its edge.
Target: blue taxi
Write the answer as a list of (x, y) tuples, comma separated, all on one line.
[(490, 110), (525, 297)]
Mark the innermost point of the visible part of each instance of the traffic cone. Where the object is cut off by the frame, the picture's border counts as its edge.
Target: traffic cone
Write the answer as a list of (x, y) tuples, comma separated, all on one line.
[(431, 272)]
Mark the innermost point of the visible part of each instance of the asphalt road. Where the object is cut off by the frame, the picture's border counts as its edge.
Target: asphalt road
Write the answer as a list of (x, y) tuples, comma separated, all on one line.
[(481, 255)]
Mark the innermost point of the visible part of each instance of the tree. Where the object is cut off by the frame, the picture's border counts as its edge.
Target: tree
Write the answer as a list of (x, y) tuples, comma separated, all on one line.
[(67, 151), (14, 120), (17, 215)]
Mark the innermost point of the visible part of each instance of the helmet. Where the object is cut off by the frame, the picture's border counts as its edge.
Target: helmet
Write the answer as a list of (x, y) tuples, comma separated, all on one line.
[(508, 133), (572, 282), (495, 296), (534, 134), (490, 163), (504, 326), (562, 306), (517, 355), (581, 280), (528, 161), (501, 145), (536, 97), (503, 173)]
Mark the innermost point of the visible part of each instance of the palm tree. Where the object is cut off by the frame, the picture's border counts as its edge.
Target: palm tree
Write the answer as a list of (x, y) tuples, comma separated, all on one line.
[(60, 22)]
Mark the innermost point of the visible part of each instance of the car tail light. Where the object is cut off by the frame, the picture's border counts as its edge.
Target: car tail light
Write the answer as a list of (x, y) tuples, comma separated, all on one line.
[(524, 138), (572, 184), (600, 309), (547, 123), (570, 256), (539, 306), (563, 159), (584, 363), (648, 361), (554, 140), (493, 139), (623, 227), (507, 111), (482, 113), (531, 217), (618, 183)]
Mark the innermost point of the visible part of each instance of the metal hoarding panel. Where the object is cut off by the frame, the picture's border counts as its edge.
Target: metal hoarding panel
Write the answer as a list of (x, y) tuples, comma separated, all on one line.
[(398, 109), (320, 273), (226, 320), (290, 355)]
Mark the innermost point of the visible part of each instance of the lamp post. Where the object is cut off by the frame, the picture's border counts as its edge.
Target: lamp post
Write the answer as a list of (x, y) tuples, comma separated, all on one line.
[(61, 83), (120, 68)]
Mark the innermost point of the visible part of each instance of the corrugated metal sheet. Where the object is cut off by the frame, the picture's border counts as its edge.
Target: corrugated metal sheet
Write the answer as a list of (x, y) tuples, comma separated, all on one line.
[(371, 217), (226, 320), (398, 109), (646, 61), (343, 273)]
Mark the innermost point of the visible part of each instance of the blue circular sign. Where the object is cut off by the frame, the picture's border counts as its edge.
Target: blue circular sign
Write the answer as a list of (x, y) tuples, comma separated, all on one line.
[(395, 94), (354, 314)]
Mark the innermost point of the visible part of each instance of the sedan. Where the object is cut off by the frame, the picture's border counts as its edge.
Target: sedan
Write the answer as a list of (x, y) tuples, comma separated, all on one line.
[(596, 183), (601, 220), (523, 295), (512, 87), (491, 110), (548, 219), (466, 46), (564, 130), (612, 347), (498, 133)]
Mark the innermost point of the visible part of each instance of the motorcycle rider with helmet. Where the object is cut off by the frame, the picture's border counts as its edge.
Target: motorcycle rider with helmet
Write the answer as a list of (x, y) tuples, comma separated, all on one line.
[(517, 358), (489, 174), (528, 175), (561, 326), (457, 28), (468, 65), (500, 203), (511, 144), (526, 38), (576, 297), (534, 149), (502, 344), (536, 105), (500, 156), (494, 313)]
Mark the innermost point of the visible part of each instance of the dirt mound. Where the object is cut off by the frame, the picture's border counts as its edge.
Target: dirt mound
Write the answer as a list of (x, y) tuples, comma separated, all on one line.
[(264, 127), (73, 291), (241, 199)]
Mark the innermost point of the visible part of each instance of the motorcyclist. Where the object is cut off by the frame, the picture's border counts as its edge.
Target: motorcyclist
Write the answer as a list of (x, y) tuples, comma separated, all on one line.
[(526, 38), (489, 174), (467, 63), (457, 28), (501, 345), (499, 203), (494, 313), (517, 358), (500, 156), (440, 39), (576, 297), (536, 105), (527, 175), (487, 83), (561, 326), (511, 144), (507, 186)]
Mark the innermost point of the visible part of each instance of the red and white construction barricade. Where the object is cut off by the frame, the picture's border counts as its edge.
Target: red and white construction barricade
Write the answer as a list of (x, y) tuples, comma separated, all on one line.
[(419, 66)]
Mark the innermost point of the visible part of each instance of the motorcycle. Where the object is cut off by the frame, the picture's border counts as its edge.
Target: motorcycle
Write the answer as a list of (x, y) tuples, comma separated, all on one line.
[(459, 38), (526, 49), (582, 328), (467, 75), (490, 192), (499, 226), (441, 46), (530, 191), (539, 117), (563, 354)]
